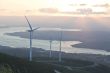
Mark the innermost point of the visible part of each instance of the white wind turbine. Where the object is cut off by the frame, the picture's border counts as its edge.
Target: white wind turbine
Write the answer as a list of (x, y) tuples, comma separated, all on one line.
[(60, 47), (50, 52), (31, 34)]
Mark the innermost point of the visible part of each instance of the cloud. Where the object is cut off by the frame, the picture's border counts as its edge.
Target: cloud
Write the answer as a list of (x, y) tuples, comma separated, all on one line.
[(28, 11), (99, 13), (84, 10), (49, 10), (102, 5), (83, 4), (80, 11), (3, 9)]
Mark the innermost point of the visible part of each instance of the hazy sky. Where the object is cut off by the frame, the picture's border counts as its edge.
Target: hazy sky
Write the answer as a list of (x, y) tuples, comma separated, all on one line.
[(21, 7)]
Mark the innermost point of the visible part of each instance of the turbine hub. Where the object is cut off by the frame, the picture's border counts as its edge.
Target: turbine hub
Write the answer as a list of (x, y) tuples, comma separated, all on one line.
[(29, 30)]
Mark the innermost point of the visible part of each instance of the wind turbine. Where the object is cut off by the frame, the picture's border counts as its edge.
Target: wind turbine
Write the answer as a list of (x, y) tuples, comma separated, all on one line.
[(50, 52), (31, 34), (60, 53)]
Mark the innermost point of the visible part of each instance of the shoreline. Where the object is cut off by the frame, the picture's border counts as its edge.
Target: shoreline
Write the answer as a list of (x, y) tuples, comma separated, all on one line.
[(92, 40), (39, 52)]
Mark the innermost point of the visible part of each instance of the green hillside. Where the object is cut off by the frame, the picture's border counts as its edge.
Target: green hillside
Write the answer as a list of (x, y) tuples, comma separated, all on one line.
[(22, 66), (10, 64)]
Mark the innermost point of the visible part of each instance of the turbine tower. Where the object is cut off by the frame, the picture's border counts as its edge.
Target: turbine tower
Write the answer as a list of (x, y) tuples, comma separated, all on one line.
[(50, 53), (31, 34), (60, 53)]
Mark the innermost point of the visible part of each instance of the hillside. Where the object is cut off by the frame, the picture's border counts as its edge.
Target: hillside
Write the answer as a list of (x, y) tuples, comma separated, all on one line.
[(10, 64), (22, 66)]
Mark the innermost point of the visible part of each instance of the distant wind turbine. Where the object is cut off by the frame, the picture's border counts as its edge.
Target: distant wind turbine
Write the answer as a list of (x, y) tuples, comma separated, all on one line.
[(50, 54), (60, 53), (31, 34)]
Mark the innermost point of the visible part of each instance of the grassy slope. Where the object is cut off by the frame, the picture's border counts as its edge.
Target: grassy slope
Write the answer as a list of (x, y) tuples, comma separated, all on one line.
[(23, 66), (16, 65)]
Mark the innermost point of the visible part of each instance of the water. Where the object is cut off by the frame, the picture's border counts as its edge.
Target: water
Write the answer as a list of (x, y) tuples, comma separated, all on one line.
[(17, 42)]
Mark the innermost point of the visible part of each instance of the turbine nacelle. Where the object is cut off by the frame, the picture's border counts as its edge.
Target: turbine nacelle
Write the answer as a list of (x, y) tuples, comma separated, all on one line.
[(29, 30)]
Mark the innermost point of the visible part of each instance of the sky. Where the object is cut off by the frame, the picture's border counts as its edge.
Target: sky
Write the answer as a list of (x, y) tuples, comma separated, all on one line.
[(42, 7)]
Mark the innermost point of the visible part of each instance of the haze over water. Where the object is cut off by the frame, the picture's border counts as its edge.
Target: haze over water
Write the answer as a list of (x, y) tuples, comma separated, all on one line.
[(71, 24), (14, 41)]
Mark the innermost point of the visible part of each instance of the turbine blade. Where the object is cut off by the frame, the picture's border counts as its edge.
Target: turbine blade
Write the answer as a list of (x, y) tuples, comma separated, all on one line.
[(36, 28), (28, 23)]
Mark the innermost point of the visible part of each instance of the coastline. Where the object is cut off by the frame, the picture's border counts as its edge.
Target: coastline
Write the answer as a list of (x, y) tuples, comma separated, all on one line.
[(89, 39), (39, 52)]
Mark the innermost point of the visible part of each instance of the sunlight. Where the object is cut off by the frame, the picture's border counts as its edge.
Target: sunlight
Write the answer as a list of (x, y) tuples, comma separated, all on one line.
[(65, 8), (82, 23), (31, 7), (64, 5)]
